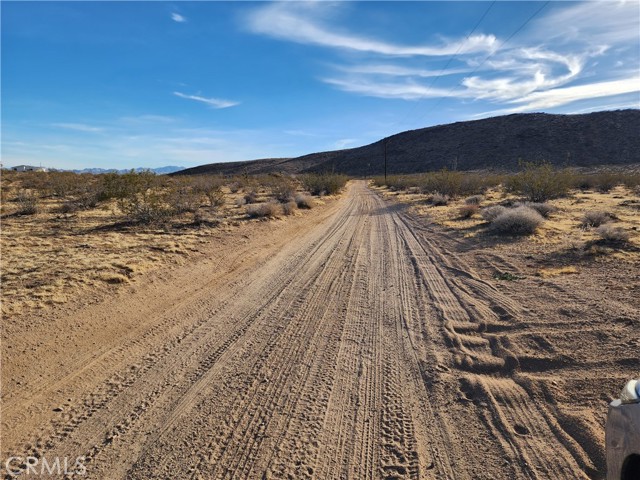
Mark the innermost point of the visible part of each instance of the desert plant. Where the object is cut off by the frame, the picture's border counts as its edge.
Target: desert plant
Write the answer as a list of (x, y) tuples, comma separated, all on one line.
[(539, 182), (468, 211), (183, 199), (474, 200), (517, 221), (323, 183), (543, 208), (289, 208), (595, 218), (612, 234), (28, 203), (282, 188), (304, 201), (268, 209), (211, 187), (251, 197), (439, 199), (490, 213)]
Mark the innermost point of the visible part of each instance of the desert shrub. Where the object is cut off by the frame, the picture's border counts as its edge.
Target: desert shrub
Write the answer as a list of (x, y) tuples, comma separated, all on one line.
[(251, 197), (183, 199), (539, 182), (613, 234), (304, 201), (64, 184), (211, 187), (268, 209), (631, 180), (474, 200), (235, 187), (438, 200), (605, 182), (127, 185), (323, 183), (289, 207), (147, 208), (282, 189), (543, 208), (36, 181), (595, 218), (70, 206), (468, 211), (490, 213), (517, 221), (28, 203)]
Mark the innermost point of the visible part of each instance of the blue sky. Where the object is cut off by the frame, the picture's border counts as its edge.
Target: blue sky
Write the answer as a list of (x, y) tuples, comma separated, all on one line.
[(147, 84)]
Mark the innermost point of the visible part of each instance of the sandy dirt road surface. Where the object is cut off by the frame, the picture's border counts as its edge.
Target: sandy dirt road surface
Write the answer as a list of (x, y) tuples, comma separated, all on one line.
[(351, 343)]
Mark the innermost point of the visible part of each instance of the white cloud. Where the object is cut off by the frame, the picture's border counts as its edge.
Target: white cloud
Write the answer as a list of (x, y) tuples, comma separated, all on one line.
[(176, 17), (562, 96), (593, 22), (404, 90), (212, 102), (398, 70), (298, 22), (80, 127)]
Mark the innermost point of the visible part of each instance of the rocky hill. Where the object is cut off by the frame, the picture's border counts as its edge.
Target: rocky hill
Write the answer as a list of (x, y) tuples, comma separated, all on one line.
[(588, 140)]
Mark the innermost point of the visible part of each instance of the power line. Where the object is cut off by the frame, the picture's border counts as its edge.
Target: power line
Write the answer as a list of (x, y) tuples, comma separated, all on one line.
[(531, 17), (452, 57)]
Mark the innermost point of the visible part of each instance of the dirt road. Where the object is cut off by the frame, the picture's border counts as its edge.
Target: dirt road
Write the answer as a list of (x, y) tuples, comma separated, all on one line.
[(348, 344)]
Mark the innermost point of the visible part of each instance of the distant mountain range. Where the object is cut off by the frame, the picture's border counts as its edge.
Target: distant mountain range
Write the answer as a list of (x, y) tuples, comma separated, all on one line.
[(159, 171), (498, 143)]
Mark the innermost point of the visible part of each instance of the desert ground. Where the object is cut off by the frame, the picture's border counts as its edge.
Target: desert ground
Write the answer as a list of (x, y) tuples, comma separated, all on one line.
[(369, 338)]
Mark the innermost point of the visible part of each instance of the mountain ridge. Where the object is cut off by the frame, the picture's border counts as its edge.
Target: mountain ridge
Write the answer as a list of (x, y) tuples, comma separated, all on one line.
[(498, 143)]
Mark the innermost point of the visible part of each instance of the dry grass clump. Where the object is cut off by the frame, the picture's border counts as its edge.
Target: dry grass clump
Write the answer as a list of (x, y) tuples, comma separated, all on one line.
[(304, 201), (468, 211), (543, 208), (474, 200), (490, 213), (595, 218), (262, 210), (517, 221), (612, 234), (289, 208), (439, 200), (251, 197)]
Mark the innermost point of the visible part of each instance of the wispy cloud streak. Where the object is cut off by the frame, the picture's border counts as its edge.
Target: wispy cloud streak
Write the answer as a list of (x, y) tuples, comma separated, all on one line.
[(296, 22), (211, 102)]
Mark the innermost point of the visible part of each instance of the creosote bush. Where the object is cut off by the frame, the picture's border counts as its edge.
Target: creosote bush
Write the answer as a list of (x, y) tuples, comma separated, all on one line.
[(323, 183), (517, 221), (539, 182)]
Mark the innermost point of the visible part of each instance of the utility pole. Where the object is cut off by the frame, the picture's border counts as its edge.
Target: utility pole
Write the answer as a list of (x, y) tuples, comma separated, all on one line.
[(385, 160)]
